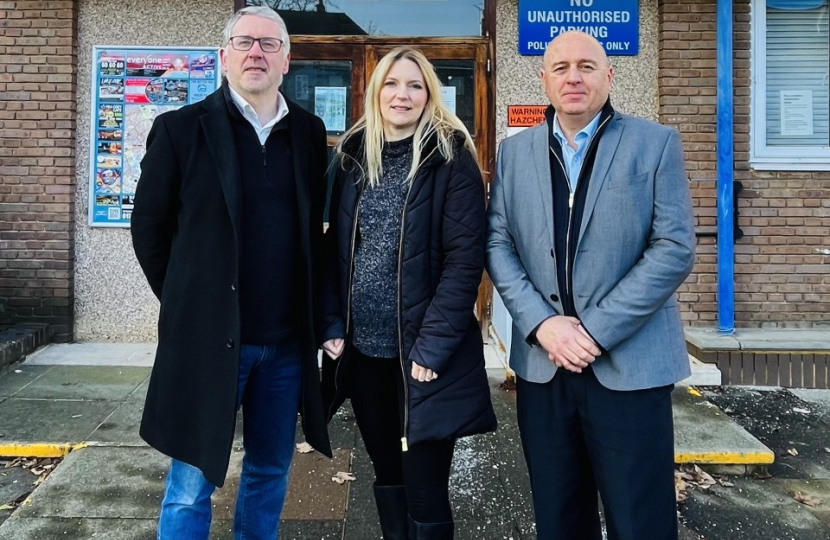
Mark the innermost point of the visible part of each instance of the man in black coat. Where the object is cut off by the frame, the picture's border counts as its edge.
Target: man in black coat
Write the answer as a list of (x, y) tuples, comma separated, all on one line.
[(226, 227)]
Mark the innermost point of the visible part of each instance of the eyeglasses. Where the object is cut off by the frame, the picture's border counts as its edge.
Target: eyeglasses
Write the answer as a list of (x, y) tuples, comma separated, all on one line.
[(267, 44)]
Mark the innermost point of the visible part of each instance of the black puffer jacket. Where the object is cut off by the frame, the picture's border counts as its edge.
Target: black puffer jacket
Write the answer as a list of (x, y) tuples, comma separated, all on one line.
[(440, 267)]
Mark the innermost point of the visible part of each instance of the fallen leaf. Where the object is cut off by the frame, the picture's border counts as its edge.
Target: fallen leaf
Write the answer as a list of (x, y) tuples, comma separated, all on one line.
[(702, 478), (792, 451), (680, 487), (304, 448), (805, 499), (343, 477), (827, 450), (725, 483), (761, 475), (802, 411), (694, 391), (6, 507)]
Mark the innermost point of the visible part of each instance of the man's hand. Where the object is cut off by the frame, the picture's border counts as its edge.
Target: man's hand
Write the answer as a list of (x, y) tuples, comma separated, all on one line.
[(568, 345), (420, 373), (334, 347)]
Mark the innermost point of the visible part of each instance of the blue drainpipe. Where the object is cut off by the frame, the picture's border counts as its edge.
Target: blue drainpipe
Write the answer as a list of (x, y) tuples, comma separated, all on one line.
[(726, 241)]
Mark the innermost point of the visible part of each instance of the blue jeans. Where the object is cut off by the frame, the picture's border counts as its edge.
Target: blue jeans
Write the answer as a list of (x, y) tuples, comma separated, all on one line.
[(269, 393)]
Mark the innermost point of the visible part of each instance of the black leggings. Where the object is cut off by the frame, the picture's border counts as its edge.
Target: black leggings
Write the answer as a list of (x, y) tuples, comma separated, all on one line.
[(424, 470)]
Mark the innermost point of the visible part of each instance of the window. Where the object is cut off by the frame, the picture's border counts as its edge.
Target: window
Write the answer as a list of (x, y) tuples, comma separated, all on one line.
[(790, 99)]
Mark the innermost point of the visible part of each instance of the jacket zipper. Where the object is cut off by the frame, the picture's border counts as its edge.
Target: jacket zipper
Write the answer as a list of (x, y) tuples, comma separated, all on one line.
[(404, 445), (570, 209), (351, 278)]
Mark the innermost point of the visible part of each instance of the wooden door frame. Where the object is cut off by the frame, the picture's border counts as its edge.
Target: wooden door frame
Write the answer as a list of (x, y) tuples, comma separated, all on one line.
[(345, 47)]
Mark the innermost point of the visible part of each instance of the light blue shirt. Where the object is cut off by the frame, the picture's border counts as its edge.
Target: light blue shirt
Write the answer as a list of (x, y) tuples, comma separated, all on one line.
[(574, 158)]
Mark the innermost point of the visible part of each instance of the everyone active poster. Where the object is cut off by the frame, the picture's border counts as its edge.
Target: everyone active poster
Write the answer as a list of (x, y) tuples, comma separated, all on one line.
[(130, 87)]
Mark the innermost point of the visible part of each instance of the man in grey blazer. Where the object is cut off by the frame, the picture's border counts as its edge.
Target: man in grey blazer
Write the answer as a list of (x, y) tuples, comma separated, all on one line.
[(590, 232)]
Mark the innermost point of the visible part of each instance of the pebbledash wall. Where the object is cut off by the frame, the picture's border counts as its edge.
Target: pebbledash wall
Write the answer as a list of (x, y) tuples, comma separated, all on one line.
[(86, 282)]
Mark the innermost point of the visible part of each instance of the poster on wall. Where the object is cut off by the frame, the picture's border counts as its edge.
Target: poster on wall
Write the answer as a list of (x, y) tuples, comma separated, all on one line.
[(130, 87)]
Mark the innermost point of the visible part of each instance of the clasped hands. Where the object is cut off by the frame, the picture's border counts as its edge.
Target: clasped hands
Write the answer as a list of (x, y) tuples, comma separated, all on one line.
[(334, 348), (567, 343)]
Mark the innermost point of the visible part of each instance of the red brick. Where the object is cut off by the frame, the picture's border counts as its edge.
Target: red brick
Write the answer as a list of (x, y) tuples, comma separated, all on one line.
[(37, 168)]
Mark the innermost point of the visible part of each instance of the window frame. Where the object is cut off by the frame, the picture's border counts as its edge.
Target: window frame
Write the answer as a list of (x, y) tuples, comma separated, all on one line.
[(761, 156)]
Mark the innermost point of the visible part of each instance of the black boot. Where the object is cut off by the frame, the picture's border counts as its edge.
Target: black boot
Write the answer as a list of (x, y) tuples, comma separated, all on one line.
[(391, 502), (431, 531)]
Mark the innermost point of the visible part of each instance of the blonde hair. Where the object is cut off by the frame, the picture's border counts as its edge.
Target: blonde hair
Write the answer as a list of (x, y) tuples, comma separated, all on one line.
[(436, 119)]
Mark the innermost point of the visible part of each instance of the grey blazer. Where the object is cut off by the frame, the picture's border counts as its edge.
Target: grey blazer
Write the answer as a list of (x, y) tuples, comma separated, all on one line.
[(635, 247)]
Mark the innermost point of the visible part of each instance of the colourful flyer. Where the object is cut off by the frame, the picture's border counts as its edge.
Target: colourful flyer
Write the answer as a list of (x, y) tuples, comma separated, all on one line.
[(132, 86)]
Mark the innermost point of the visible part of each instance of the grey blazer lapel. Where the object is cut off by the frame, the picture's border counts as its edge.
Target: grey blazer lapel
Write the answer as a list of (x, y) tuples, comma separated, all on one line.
[(608, 144), (540, 155)]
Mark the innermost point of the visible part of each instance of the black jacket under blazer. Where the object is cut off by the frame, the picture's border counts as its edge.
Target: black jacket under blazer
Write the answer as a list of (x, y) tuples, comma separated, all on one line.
[(442, 261), (185, 231)]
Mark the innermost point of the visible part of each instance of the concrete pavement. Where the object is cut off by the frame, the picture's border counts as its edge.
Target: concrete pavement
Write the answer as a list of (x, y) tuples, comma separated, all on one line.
[(87, 398)]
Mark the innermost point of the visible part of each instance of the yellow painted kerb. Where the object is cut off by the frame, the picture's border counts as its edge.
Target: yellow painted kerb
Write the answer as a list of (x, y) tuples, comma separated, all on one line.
[(39, 450), (725, 458)]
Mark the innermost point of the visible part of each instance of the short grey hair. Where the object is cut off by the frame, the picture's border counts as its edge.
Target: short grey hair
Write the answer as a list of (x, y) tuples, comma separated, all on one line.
[(257, 11)]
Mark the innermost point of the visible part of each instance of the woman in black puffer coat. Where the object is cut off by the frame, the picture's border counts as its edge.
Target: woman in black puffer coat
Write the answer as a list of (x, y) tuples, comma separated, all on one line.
[(406, 245)]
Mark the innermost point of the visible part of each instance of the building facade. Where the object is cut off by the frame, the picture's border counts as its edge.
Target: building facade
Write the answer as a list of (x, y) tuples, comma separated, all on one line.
[(85, 282)]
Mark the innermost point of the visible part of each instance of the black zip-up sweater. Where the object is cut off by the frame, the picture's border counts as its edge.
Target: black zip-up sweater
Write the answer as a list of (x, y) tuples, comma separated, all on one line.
[(564, 249), (268, 245)]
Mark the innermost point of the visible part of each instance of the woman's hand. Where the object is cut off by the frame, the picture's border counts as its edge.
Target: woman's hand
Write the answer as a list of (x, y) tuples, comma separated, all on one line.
[(420, 373), (334, 347)]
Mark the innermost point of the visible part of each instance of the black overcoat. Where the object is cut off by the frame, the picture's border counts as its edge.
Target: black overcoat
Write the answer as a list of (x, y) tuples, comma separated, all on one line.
[(441, 265), (185, 231)]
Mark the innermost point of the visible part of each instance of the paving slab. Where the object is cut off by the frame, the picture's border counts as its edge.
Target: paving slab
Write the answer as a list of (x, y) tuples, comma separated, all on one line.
[(343, 431), (15, 482), (703, 434), (312, 495), (102, 483), (306, 530), (18, 378), (36, 421), (140, 393), (17, 528), (95, 354), (749, 510), (121, 427), (86, 382), (361, 507), (510, 463)]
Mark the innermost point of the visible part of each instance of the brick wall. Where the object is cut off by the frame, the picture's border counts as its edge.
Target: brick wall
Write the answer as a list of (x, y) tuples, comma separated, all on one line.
[(781, 277), (38, 55)]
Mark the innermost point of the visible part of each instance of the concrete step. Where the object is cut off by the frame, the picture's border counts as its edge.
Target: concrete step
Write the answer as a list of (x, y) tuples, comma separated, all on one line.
[(703, 374), (704, 435)]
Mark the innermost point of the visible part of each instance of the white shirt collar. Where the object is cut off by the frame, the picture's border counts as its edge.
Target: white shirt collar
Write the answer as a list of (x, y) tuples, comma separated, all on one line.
[(250, 114)]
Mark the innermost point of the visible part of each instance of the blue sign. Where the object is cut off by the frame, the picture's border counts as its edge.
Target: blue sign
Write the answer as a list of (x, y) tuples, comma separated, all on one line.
[(615, 23)]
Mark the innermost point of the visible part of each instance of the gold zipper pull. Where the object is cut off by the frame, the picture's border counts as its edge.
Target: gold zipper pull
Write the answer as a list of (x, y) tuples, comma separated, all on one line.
[(404, 446)]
